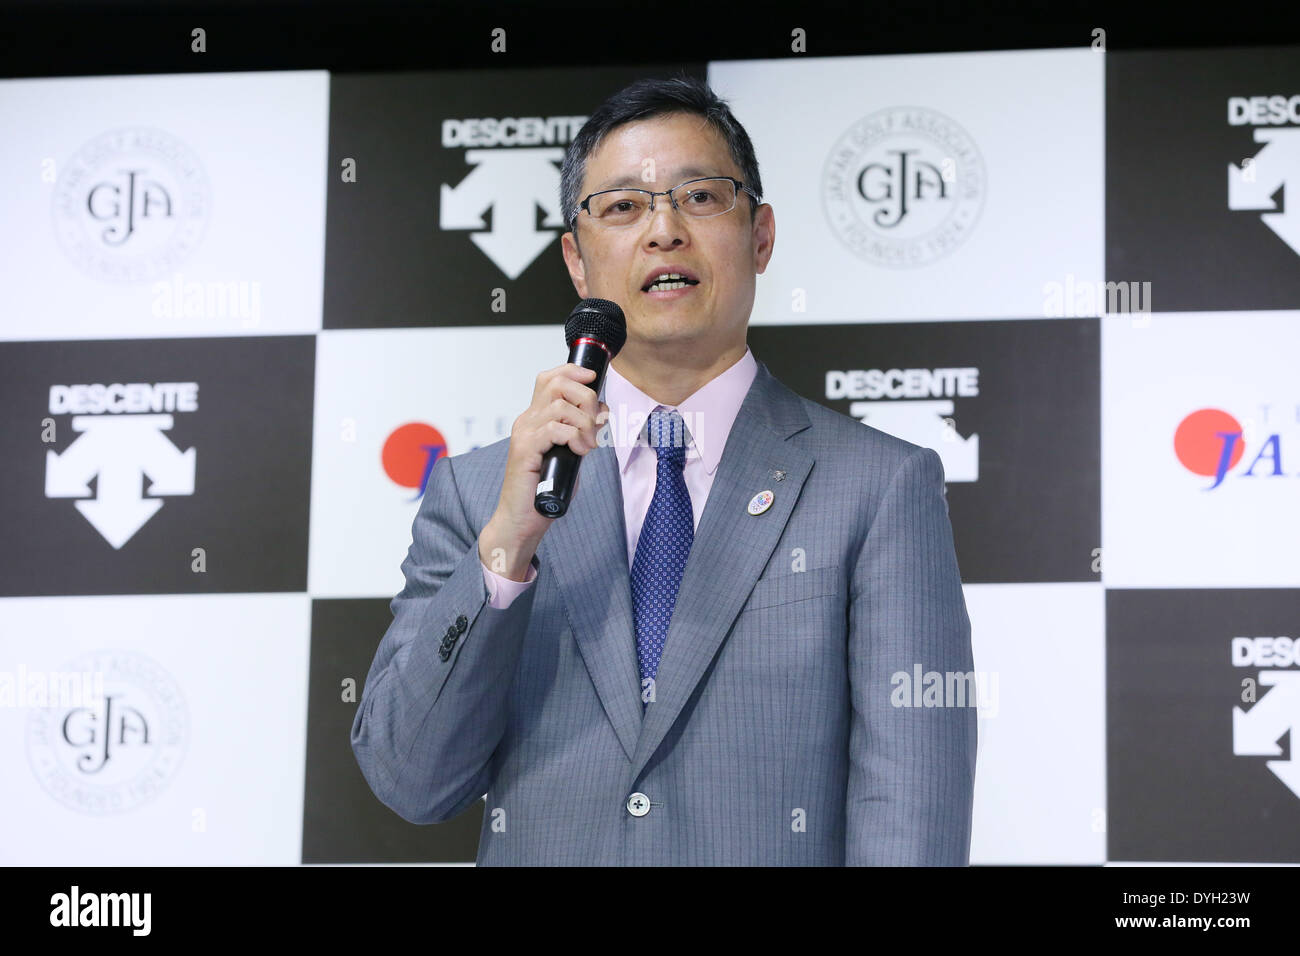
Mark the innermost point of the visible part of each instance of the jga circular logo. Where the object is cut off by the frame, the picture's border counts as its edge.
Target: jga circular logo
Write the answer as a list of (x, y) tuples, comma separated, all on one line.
[(131, 205), (118, 749), (903, 186)]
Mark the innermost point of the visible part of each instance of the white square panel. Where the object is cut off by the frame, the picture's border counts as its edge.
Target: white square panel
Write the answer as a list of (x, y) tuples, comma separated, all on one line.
[(388, 403), (1200, 455), (1040, 781), (932, 186), (154, 206), (185, 744)]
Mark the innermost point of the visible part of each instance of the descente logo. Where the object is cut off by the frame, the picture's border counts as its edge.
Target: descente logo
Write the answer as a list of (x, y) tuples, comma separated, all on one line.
[(512, 182), (102, 909), (1257, 184), (120, 440)]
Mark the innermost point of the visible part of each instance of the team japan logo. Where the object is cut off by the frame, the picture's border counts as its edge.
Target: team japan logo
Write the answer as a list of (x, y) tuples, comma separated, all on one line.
[(903, 187), (1261, 180), (120, 442), (1213, 443), (409, 454), (131, 205)]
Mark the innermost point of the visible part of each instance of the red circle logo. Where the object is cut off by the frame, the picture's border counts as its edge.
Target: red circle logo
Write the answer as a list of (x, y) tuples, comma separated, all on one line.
[(410, 451), (1198, 442)]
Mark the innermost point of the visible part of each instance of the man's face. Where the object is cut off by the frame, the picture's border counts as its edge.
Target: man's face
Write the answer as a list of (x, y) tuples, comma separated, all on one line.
[(723, 252)]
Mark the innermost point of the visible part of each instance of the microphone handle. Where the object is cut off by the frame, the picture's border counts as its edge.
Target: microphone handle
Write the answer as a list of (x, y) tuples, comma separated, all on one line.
[(560, 464)]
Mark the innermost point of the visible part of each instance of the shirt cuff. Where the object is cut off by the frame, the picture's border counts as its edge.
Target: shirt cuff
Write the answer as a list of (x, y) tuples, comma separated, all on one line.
[(502, 591)]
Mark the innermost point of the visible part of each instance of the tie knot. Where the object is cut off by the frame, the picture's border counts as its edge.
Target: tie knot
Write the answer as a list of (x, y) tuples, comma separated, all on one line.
[(666, 433)]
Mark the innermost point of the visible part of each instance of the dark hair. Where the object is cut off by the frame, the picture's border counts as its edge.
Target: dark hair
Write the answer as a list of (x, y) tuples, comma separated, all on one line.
[(655, 97)]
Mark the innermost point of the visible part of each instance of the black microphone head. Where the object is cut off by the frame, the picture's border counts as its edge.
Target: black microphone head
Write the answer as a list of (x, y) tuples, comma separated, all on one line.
[(599, 319)]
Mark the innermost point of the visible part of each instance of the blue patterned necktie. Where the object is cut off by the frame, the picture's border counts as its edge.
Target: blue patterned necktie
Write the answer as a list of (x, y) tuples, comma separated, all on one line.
[(664, 544)]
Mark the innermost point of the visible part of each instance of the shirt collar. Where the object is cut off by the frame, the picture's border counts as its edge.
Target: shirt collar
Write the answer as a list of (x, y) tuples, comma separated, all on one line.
[(708, 413)]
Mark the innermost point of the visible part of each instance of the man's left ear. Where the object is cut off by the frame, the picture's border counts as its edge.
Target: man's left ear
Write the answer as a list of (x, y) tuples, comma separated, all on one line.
[(764, 236), (573, 261)]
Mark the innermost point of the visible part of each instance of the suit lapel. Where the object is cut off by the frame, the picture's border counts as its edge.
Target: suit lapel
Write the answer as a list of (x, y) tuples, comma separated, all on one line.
[(720, 571), (586, 550)]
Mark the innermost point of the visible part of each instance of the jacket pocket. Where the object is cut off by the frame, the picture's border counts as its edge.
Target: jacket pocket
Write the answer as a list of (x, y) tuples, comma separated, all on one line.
[(784, 586)]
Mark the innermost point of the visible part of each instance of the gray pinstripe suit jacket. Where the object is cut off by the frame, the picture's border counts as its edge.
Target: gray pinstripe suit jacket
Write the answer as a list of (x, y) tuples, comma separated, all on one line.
[(774, 737)]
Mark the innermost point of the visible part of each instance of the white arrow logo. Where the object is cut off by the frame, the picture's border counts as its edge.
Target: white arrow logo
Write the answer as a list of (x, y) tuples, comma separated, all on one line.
[(1269, 170), (120, 451), (512, 183), (1256, 733)]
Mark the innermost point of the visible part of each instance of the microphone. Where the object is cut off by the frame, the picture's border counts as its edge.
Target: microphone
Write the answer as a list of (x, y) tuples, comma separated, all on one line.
[(595, 332)]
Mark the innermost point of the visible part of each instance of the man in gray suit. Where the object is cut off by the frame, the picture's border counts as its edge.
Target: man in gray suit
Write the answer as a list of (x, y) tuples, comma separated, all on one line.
[(713, 657)]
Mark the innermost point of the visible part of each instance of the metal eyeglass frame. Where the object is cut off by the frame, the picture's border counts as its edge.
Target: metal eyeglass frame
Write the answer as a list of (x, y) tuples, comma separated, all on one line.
[(586, 203)]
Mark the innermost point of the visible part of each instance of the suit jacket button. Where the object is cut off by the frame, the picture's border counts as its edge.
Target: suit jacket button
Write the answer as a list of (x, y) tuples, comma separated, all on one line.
[(462, 622), (638, 804), (444, 652)]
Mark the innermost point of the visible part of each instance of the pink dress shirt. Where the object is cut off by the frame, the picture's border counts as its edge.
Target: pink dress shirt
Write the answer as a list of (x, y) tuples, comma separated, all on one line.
[(708, 415)]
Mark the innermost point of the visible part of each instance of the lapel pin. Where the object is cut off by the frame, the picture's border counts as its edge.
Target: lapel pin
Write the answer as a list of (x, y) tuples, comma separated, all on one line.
[(761, 502)]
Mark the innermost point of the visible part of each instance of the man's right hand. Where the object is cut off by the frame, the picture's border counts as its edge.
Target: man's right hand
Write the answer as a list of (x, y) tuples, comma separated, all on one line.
[(564, 411)]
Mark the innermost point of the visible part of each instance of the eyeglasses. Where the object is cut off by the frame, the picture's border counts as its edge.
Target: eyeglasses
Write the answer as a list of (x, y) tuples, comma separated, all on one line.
[(697, 198)]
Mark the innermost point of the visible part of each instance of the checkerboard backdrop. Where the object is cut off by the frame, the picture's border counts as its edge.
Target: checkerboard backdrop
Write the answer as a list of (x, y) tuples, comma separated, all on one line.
[(237, 310)]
